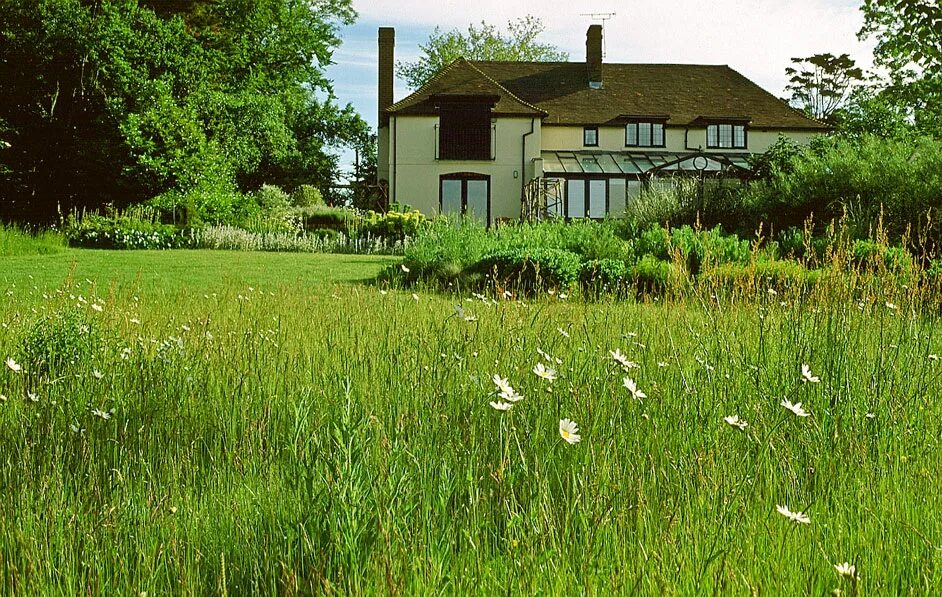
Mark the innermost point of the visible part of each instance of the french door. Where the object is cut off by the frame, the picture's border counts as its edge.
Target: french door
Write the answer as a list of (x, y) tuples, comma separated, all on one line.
[(466, 194), (586, 198)]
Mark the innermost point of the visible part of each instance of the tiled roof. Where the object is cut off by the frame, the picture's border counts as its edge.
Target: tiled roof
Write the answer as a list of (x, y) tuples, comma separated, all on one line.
[(463, 78), (684, 93)]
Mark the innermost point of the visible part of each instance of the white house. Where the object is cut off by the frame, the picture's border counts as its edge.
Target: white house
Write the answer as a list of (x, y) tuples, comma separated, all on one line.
[(485, 138)]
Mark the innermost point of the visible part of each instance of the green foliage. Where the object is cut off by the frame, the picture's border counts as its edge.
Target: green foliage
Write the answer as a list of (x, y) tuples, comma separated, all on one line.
[(123, 101), (604, 276), (307, 196), (480, 43), (532, 270), (134, 228), (62, 340), (701, 249), (392, 225), (272, 197), (821, 83), (16, 241), (654, 276)]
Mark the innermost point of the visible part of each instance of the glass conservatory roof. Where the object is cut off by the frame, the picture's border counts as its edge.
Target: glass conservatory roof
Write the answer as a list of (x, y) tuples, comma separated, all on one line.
[(623, 162)]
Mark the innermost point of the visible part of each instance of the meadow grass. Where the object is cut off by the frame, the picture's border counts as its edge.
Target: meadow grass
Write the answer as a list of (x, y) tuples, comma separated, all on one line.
[(16, 241), (208, 437)]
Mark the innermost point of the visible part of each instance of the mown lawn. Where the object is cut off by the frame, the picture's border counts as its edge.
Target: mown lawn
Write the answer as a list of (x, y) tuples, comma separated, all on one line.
[(261, 423), (196, 271)]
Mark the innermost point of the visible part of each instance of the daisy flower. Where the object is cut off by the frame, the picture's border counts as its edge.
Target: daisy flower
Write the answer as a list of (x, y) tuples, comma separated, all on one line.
[(501, 406), (633, 388), (846, 570), (807, 376), (13, 365), (502, 384), (569, 431), (796, 517), (735, 421), (544, 372), (795, 408)]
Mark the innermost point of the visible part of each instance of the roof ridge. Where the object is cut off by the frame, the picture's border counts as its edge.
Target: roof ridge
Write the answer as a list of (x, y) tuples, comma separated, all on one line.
[(428, 83), (779, 99), (507, 91)]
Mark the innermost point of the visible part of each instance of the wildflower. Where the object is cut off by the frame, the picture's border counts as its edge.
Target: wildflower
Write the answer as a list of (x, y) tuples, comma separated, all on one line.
[(502, 384), (735, 421), (795, 408), (415, 297), (501, 406), (890, 306), (97, 307), (544, 372), (807, 376), (662, 364), (622, 360), (796, 517), (569, 431), (97, 374), (384, 292), (404, 268), (135, 321), (32, 397), (772, 292), (76, 429), (562, 332), (13, 365), (470, 318), (103, 414), (3, 398), (846, 570), (870, 416), (633, 388)]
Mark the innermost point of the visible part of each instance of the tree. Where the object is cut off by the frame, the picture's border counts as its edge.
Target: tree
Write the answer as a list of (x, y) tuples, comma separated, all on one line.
[(110, 101), (909, 45), (821, 83), (480, 43)]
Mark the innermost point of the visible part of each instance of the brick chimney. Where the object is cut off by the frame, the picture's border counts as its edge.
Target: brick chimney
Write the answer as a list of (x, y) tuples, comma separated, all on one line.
[(387, 45), (593, 56)]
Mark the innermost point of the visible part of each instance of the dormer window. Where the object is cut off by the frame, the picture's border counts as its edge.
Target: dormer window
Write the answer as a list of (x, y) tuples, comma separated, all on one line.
[(644, 133), (726, 136), (590, 136)]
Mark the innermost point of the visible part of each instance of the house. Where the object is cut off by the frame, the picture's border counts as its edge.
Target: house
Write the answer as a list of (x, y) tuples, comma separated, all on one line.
[(573, 139)]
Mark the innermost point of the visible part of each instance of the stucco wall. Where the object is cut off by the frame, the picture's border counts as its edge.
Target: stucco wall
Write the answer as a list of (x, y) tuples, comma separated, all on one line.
[(414, 171), (569, 138)]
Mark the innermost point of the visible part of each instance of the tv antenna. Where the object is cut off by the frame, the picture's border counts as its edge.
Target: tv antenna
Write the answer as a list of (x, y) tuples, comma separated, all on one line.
[(600, 16)]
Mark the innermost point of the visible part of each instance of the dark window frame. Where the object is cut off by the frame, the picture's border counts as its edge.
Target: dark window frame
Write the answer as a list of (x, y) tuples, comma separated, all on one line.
[(464, 177), (732, 133), (585, 131), (465, 132), (650, 124), (585, 180)]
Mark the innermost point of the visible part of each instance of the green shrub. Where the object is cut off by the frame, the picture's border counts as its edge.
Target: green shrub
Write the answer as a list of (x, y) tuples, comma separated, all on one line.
[(531, 271), (16, 241), (778, 275), (63, 339), (393, 225), (322, 216), (138, 227), (869, 255), (655, 241), (652, 275), (271, 197), (307, 196), (604, 275)]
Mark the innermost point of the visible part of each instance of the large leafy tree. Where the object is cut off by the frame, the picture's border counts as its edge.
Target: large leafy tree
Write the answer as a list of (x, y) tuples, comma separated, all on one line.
[(909, 45), (484, 42), (121, 100), (821, 84)]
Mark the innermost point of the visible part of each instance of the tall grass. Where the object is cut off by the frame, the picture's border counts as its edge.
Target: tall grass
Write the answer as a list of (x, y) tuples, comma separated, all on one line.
[(328, 439), (16, 241)]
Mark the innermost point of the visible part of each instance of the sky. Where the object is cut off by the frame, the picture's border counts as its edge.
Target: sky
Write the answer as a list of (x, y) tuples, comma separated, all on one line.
[(755, 37)]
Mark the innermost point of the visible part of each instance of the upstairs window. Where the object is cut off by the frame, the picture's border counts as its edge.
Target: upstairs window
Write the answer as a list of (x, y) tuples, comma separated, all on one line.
[(464, 131), (590, 136), (644, 134), (726, 136)]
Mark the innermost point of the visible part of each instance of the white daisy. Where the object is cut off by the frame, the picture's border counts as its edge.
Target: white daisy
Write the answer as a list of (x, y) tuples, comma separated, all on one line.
[(97, 374), (97, 307), (796, 517), (735, 421), (13, 365), (511, 396), (795, 408), (404, 268), (633, 388), (569, 431), (619, 358), (846, 570), (503, 386), (544, 372), (32, 397), (104, 414), (807, 376), (501, 406)]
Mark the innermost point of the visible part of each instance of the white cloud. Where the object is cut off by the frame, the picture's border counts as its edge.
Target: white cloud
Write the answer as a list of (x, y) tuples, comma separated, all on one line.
[(756, 37)]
